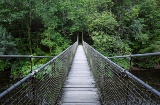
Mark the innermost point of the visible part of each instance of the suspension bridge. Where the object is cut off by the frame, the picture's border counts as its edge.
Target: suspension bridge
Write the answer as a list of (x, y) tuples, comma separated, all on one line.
[(80, 75)]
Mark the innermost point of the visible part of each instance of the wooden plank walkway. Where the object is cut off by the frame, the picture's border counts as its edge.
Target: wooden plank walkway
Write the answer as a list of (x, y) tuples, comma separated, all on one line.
[(79, 88)]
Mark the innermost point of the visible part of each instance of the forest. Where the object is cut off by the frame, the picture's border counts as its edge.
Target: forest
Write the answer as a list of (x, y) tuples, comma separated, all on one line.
[(47, 27)]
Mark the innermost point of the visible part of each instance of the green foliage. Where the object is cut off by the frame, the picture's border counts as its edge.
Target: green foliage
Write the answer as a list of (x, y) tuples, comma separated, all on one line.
[(3, 64), (123, 62), (41, 27), (32, 25), (110, 45), (20, 68), (138, 26), (148, 62), (102, 22), (7, 47), (7, 44), (51, 37), (54, 41)]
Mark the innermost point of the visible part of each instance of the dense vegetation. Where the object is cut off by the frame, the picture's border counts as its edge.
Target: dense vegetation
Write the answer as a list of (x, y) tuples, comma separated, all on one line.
[(46, 27)]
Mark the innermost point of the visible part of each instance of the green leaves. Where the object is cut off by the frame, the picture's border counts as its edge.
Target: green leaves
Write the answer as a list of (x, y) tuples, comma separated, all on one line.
[(46, 27), (138, 26), (54, 41), (109, 45), (7, 45), (102, 21)]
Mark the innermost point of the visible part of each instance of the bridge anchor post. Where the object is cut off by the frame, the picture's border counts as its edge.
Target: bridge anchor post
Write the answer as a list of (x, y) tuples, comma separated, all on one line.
[(80, 38)]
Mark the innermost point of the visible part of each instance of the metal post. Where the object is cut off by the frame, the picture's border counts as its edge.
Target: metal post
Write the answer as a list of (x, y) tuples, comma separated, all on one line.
[(82, 38), (130, 62), (77, 38), (127, 82), (32, 80), (31, 61)]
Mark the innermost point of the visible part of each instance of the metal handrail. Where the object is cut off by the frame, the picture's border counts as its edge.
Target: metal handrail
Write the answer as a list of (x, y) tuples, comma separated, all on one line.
[(143, 83), (29, 80), (115, 78), (137, 55), (24, 56)]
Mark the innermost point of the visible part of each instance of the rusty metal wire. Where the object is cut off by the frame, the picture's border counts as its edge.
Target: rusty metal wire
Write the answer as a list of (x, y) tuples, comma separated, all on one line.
[(42, 86), (116, 85)]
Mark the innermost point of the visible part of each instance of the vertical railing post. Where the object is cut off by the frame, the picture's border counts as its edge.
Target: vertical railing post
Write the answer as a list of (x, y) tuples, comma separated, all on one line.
[(31, 61), (78, 38), (130, 65), (130, 62), (82, 38), (32, 80)]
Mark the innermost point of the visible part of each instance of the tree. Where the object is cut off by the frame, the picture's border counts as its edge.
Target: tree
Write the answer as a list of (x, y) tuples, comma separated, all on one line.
[(7, 47), (7, 44), (51, 37)]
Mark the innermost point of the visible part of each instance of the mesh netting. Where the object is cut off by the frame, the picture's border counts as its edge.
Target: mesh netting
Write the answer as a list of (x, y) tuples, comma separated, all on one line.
[(118, 86), (43, 86)]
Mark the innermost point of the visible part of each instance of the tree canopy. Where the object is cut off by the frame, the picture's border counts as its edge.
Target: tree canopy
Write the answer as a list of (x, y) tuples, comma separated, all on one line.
[(47, 27)]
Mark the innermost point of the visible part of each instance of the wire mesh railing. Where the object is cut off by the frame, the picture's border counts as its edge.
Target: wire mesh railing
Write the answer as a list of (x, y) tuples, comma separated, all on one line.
[(18, 67), (116, 85), (42, 86), (145, 66)]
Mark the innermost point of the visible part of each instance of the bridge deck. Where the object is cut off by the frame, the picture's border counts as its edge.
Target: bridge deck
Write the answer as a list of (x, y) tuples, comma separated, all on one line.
[(79, 88)]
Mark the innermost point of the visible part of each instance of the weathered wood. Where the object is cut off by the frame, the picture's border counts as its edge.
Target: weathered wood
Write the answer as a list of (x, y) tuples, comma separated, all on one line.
[(79, 88)]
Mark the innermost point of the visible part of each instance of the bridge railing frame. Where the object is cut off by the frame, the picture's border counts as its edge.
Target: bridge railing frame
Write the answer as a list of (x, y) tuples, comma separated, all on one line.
[(43, 85), (117, 85), (25, 56), (131, 58)]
